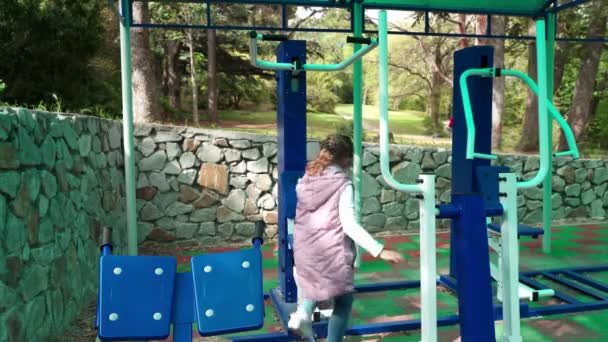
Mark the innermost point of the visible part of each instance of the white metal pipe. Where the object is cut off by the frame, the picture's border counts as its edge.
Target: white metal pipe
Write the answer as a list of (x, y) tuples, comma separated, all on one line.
[(428, 262)]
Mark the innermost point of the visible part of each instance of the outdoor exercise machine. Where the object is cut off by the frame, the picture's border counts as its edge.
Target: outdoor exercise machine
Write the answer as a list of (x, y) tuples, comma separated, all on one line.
[(473, 189), (143, 297)]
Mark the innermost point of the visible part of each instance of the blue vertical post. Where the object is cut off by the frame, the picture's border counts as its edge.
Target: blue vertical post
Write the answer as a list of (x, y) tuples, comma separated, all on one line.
[(474, 283), (480, 90), (291, 124)]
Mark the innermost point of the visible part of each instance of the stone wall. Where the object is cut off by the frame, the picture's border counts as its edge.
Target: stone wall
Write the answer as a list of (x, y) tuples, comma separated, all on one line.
[(61, 179), (212, 185)]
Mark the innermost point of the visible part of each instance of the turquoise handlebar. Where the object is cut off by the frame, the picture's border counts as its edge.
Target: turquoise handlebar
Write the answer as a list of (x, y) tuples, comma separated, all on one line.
[(544, 106), (253, 53), (383, 91)]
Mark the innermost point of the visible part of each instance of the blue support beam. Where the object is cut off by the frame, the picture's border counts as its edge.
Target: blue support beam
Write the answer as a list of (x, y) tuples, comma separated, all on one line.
[(291, 124), (464, 178)]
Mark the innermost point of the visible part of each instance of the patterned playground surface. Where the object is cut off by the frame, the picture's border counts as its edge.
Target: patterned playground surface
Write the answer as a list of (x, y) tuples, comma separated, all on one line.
[(582, 245)]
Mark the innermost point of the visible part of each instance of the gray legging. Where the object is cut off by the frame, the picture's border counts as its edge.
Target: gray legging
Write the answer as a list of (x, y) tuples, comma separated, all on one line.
[(338, 322)]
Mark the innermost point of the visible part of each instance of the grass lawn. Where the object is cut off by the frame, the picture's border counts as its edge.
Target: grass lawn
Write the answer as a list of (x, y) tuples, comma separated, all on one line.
[(400, 122), (322, 124), (319, 125)]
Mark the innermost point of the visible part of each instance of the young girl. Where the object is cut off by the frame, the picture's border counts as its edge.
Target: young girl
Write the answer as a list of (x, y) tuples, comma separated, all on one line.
[(325, 234)]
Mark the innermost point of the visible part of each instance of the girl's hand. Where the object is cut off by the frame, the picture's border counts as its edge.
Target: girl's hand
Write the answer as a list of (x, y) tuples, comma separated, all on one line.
[(391, 257)]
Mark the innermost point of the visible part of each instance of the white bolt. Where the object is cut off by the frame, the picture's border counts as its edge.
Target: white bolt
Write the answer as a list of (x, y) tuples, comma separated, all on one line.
[(113, 317), (209, 313), (117, 270), (249, 307), (246, 264), (158, 271), (157, 316), (208, 269)]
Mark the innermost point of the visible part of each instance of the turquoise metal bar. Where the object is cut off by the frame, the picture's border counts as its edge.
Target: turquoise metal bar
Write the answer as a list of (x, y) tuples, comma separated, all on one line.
[(545, 151), (253, 53), (127, 119), (335, 67), (358, 118), (383, 79), (547, 184)]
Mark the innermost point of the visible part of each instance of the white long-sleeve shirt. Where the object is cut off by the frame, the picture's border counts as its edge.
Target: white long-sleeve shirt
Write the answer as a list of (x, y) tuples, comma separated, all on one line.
[(353, 229)]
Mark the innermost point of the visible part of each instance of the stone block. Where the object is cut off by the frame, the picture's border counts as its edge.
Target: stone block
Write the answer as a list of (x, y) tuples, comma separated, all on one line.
[(186, 231), (161, 235), (8, 156), (172, 168), (34, 281), (239, 181), (146, 146), (214, 177), (207, 229), (258, 166), (28, 153), (155, 162), (241, 167), (187, 176), (269, 149), (209, 153), (225, 230), (240, 144), (190, 145), (206, 199), (204, 215), (370, 205), (263, 182), (245, 229), (266, 202), (178, 208), (270, 217), (370, 186), (187, 159), (150, 212), (235, 200), (49, 151), (163, 136), (146, 193), (232, 155)]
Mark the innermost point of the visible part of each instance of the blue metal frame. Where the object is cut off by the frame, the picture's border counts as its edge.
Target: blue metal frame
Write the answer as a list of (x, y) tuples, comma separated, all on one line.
[(291, 125)]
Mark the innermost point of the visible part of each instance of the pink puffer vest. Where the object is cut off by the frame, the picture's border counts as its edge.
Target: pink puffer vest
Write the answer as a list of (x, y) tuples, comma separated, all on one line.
[(324, 254)]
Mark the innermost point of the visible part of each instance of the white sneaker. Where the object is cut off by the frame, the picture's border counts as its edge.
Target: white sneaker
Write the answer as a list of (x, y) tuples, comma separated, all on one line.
[(300, 323)]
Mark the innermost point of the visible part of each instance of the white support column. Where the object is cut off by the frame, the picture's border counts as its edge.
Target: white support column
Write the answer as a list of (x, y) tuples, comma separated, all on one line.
[(509, 259), (428, 262)]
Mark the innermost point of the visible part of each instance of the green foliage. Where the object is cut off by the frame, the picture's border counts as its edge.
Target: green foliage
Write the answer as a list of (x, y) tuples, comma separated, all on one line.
[(598, 128), (47, 48), (320, 92)]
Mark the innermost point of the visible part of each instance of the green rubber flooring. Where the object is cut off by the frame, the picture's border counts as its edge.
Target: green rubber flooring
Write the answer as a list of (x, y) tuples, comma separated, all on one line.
[(584, 245)]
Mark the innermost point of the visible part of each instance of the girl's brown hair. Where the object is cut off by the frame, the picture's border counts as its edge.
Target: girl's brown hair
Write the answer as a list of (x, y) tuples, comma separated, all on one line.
[(333, 149)]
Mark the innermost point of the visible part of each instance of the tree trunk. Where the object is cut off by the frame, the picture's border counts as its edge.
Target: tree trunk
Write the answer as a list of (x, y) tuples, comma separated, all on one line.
[(462, 22), (481, 27), (580, 111), (145, 86), (529, 137), (499, 24), (195, 116), (212, 75), (172, 73), (434, 101), (562, 54)]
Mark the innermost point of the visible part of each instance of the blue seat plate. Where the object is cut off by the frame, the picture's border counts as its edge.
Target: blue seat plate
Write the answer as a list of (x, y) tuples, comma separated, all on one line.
[(136, 294), (228, 291), (522, 230)]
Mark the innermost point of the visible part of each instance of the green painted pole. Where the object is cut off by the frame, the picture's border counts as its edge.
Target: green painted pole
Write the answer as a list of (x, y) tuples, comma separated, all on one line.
[(358, 116), (547, 185), (127, 119)]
